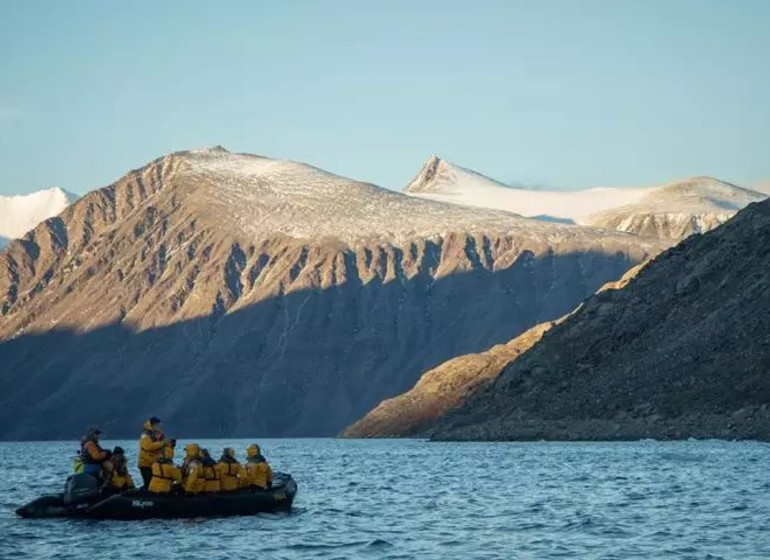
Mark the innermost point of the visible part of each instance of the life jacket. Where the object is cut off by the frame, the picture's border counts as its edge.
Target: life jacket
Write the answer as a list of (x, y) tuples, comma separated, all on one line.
[(259, 471), (90, 465), (120, 476), (229, 468), (164, 474), (85, 456), (121, 481), (150, 446), (120, 467), (230, 473), (192, 485), (211, 477), (256, 460)]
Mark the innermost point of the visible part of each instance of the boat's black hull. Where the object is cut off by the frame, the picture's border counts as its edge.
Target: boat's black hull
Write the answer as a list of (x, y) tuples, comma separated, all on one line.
[(133, 505)]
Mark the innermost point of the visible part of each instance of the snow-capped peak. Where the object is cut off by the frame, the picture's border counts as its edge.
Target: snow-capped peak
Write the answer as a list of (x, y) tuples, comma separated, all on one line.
[(439, 175), (21, 213), (441, 181), (218, 149), (700, 194), (258, 195)]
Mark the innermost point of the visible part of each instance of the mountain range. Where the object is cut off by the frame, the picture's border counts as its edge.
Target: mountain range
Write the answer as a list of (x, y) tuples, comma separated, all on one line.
[(238, 295), (680, 347), (672, 211)]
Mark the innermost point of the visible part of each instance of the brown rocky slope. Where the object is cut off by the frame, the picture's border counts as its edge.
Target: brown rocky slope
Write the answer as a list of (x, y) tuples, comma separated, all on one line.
[(448, 386), (242, 296), (441, 390), (682, 351)]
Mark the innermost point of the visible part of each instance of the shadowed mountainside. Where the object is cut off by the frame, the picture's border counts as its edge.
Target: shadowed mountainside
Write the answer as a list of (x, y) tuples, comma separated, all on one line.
[(449, 385), (238, 295), (682, 351), (441, 390), (306, 363)]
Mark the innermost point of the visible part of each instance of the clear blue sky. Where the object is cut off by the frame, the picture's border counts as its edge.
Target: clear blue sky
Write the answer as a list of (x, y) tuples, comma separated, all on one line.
[(561, 94)]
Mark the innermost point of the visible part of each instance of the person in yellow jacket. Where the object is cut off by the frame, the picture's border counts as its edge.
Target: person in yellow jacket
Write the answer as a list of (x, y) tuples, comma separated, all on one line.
[(166, 476), (151, 444), (259, 473), (231, 472), (115, 475), (210, 472), (192, 470)]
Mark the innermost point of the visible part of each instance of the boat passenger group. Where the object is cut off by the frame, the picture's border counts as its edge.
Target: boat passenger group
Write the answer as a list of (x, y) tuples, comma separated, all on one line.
[(198, 473)]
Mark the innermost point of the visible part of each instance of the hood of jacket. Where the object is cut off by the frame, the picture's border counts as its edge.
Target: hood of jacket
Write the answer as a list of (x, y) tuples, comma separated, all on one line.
[(192, 450), (150, 427)]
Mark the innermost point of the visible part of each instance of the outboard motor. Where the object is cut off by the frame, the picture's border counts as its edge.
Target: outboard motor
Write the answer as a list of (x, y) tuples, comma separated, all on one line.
[(80, 488)]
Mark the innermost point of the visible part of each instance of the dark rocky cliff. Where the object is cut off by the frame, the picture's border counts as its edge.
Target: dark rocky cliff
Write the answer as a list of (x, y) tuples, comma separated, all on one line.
[(682, 351)]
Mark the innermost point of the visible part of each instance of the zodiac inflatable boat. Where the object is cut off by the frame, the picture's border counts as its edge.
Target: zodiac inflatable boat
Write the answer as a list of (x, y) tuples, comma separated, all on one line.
[(81, 499)]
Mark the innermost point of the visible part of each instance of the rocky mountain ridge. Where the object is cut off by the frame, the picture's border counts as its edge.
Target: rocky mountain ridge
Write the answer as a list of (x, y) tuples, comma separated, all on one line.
[(284, 299)]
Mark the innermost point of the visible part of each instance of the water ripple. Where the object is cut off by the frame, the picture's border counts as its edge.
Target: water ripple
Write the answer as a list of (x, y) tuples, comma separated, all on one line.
[(413, 499)]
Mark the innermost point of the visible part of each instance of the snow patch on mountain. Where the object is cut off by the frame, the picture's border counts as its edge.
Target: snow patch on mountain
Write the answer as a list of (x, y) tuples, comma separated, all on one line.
[(21, 213), (698, 203), (442, 181), (679, 209), (260, 196)]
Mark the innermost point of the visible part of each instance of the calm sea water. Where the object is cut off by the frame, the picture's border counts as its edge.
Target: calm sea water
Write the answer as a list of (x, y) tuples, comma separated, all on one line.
[(414, 499)]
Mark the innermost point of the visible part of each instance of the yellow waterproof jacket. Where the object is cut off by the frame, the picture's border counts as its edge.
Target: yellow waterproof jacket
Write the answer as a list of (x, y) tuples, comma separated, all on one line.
[(121, 482), (117, 479), (192, 477), (231, 473), (258, 473), (151, 444), (211, 478), (164, 475)]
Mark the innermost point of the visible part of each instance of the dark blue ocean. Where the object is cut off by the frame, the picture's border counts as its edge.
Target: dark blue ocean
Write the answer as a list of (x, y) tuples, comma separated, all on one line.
[(415, 499)]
